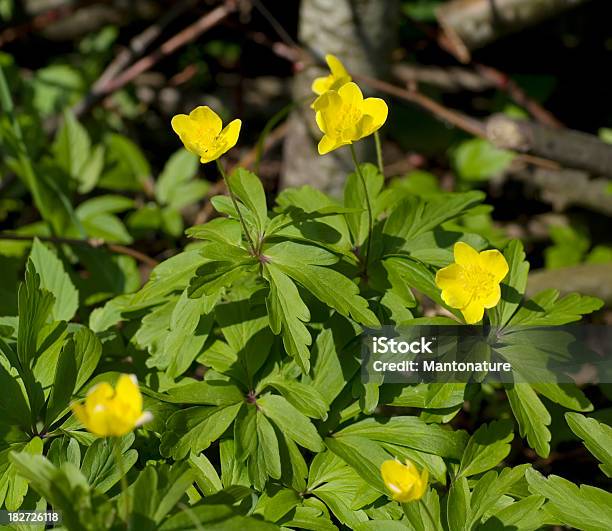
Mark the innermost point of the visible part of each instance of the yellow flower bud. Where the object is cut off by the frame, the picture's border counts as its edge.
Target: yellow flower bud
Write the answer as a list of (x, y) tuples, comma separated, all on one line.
[(112, 412), (201, 132), (338, 76), (471, 284), (344, 116), (403, 480)]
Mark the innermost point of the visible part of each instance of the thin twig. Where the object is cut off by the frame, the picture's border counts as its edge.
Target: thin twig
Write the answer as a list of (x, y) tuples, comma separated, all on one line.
[(118, 74), (91, 242)]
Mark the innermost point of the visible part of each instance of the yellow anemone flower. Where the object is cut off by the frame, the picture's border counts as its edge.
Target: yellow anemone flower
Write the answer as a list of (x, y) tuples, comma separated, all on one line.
[(344, 116), (202, 133), (471, 284), (338, 76), (112, 412), (403, 480)]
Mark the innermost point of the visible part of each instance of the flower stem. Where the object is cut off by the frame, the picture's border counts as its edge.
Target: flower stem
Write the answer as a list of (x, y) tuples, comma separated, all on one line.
[(124, 484), (368, 205), (379, 158), (235, 203)]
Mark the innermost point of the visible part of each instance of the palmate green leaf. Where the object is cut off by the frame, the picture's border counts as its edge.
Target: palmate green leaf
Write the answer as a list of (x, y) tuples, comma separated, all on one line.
[(213, 393), (522, 514), (67, 490), (304, 397), (128, 168), (71, 146), (276, 501), (565, 394), (35, 308), (14, 406), (223, 230), (215, 276), (363, 454), (547, 309), (215, 517), (414, 216), (267, 443), (13, 486), (532, 416), (354, 198), (411, 432), (513, 286), (486, 448), (248, 188), (98, 219), (586, 508), (195, 428), (288, 313), (54, 279), (490, 488), (458, 504), (303, 264), (206, 476), (290, 421), (63, 383), (180, 168), (597, 438), (100, 466)]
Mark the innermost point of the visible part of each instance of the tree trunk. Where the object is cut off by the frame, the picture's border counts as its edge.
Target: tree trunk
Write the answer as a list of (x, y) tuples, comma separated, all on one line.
[(471, 24), (361, 33)]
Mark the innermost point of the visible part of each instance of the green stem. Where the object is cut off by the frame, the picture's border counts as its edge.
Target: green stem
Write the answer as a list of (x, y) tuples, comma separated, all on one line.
[(379, 158), (235, 203), (124, 484), (368, 205)]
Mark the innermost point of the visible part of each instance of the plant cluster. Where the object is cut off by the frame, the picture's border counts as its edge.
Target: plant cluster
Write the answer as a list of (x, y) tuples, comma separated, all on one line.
[(251, 409)]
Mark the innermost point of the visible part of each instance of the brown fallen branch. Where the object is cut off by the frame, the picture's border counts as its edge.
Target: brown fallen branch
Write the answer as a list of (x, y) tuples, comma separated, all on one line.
[(472, 24), (135, 49), (119, 74), (92, 242), (449, 79), (570, 148), (588, 279), (564, 188)]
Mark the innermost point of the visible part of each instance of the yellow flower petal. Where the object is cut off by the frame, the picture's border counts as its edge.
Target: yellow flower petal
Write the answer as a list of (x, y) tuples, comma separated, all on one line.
[(351, 94), (403, 481), (495, 263), (321, 85), (465, 254), (206, 118), (327, 144), (490, 298), (378, 110), (229, 135), (336, 66), (473, 312)]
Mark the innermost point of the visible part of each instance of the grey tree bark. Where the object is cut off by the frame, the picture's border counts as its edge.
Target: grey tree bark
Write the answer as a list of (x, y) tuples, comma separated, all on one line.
[(361, 33)]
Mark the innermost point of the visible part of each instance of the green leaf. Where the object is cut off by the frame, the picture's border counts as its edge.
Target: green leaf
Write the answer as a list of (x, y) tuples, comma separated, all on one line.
[(586, 508), (288, 313), (291, 422), (490, 488), (302, 396), (486, 448), (477, 159), (411, 432), (87, 351), (546, 309), (180, 167), (16, 485), (129, 168), (458, 504), (268, 444), (205, 474), (63, 383), (54, 279), (248, 189), (354, 198), (532, 416), (513, 286), (100, 466), (364, 455), (72, 146), (522, 514), (597, 438), (195, 428)]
